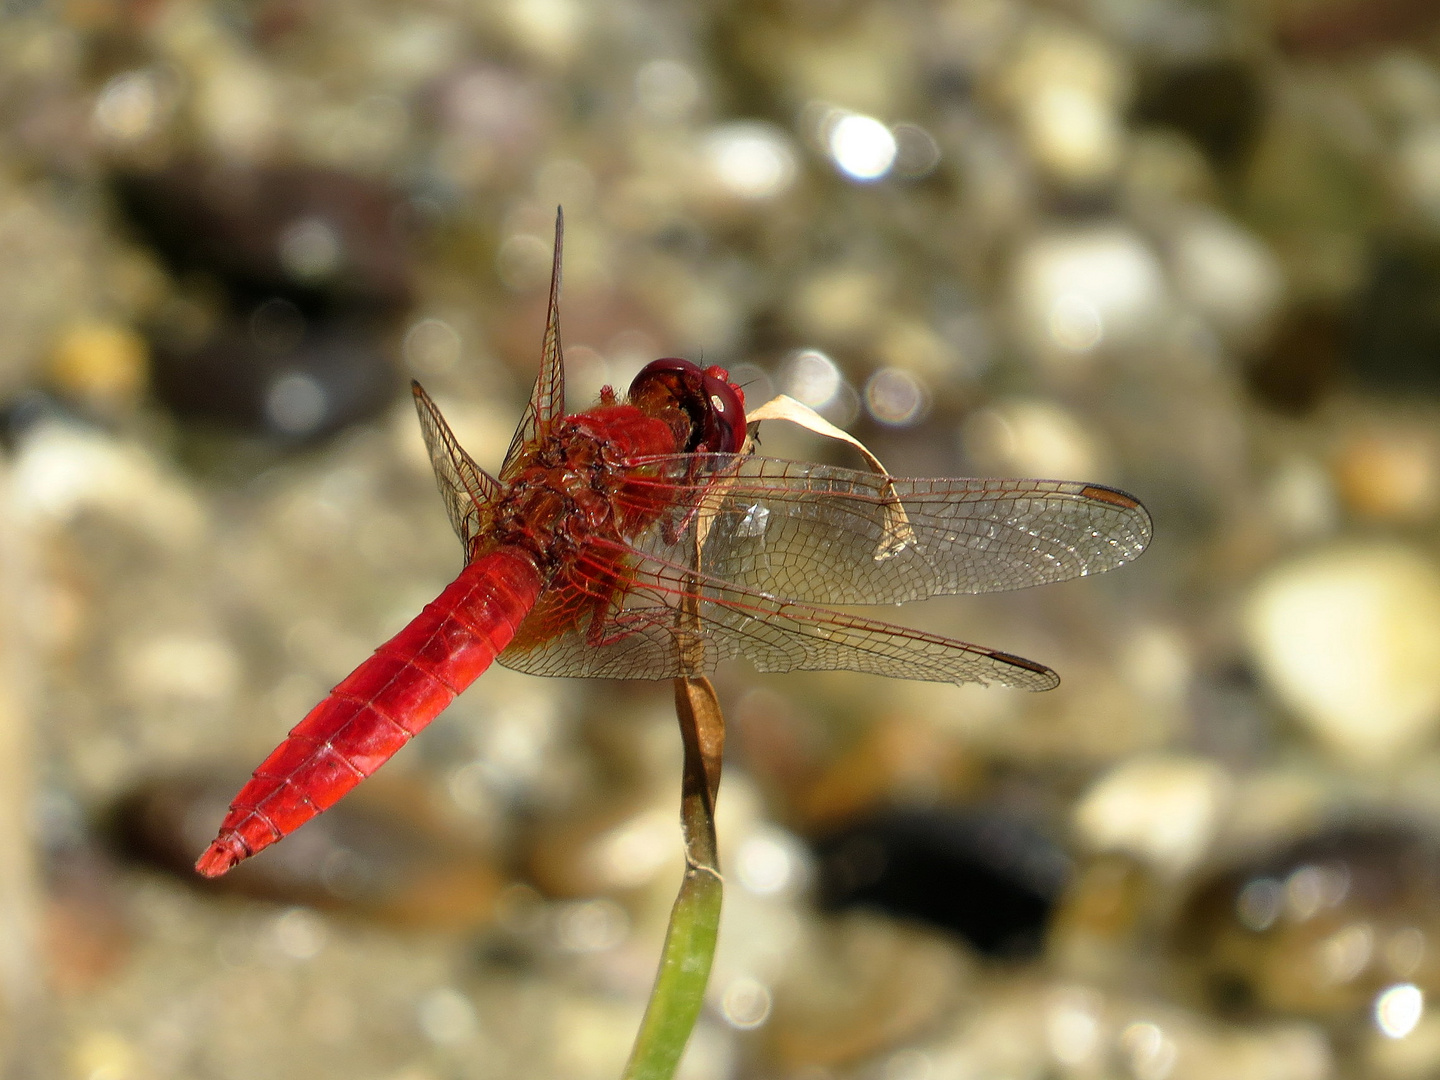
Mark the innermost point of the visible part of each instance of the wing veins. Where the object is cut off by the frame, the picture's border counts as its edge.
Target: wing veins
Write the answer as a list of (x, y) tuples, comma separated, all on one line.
[(464, 487), (827, 527), (547, 396), (766, 629)]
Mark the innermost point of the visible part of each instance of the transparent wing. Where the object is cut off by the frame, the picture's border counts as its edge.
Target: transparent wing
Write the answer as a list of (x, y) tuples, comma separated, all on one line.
[(827, 535), (547, 398), (620, 615), (464, 486)]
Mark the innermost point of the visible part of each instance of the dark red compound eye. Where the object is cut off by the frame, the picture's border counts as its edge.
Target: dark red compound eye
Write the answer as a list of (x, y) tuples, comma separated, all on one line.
[(727, 409), (715, 407)]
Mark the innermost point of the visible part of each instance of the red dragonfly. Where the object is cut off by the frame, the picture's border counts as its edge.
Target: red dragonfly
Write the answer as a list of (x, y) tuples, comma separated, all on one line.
[(640, 540)]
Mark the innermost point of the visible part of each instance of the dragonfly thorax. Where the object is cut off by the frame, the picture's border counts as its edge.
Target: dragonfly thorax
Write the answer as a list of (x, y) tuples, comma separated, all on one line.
[(566, 493)]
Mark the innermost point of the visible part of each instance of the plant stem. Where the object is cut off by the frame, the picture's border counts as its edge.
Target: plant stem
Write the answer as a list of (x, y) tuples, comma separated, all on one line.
[(679, 991)]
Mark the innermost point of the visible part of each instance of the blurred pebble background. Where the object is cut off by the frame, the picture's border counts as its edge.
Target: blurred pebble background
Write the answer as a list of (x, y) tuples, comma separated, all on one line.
[(1188, 247)]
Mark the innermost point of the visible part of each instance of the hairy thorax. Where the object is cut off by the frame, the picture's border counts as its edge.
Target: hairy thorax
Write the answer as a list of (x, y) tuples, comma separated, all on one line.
[(570, 489)]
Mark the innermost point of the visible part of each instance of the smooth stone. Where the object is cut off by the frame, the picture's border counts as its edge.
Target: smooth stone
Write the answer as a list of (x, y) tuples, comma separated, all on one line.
[(1162, 809), (1079, 291), (1348, 638), (102, 364), (1319, 928), (1229, 275), (1390, 471), (1068, 89)]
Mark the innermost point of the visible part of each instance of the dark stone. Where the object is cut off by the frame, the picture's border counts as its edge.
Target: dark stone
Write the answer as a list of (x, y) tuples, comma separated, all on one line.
[(1219, 103), (320, 236), (1253, 937), (1332, 28), (1303, 358), (990, 878), (278, 374), (1396, 340)]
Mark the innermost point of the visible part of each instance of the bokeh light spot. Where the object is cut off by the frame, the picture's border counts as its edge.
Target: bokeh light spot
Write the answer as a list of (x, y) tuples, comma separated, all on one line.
[(812, 378), (746, 1003), (296, 404), (1074, 323), (666, 89), (310, 249), (589, 926), (1259, 904), (765, 865), (896, 398), (1398, 1009), (862, 147), (299, 933), (432, 347), (447, 1017)]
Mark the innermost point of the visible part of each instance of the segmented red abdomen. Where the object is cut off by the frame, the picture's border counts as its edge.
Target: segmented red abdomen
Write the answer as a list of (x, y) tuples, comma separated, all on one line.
[(380, 705)]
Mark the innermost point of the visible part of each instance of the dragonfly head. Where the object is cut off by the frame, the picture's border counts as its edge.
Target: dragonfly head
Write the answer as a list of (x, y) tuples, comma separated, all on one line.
[(706, 410)]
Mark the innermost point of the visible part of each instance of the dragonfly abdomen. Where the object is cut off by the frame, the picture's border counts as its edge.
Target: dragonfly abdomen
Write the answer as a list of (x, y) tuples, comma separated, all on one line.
[(379, 706)]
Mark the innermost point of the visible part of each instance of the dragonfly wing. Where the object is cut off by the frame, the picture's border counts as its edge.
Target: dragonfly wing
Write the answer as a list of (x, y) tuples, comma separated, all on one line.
[(547, 397), (829, 535), (635, 634), (464, 486), (644, 633)]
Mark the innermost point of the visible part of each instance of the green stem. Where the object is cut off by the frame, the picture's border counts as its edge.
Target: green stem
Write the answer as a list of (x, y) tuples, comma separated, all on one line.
[(679, 990)]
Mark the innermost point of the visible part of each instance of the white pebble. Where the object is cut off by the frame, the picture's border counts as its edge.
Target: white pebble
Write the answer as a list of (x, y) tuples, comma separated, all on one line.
[(750, 159), (1078, 290), (1162, 808), (62, 470), (1228, 274)]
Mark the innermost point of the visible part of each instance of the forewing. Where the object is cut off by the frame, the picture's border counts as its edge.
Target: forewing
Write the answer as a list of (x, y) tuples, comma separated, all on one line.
[(547, 397), (645, 633), (464, 486), (829, 535)]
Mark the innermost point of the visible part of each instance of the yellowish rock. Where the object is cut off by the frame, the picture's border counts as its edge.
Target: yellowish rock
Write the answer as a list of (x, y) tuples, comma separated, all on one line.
[(106, 365), (1068, 88), (1031, 437), (841, 302), (1389, 471), (1349, 639)]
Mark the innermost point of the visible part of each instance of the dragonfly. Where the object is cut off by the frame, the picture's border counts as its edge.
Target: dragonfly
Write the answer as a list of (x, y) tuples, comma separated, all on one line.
[(645, 539)]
